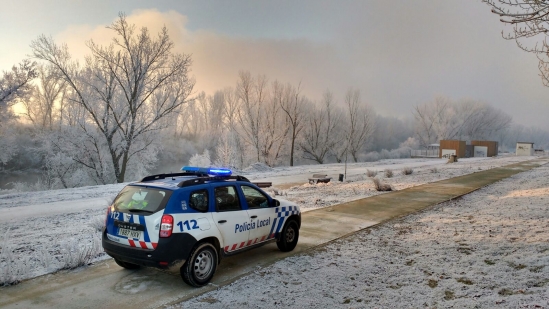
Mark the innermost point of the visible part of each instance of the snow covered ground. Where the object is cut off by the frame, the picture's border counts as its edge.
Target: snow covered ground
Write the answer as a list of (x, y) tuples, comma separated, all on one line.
[(488, 249), (43, 232)]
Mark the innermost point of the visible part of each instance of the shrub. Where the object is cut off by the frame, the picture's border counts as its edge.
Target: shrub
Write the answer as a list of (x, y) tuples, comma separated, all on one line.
[(202, 160), (370, 173), (97, 223), (372, 157), (380, 186), (13, 268), (407, 171), (74, 255), (388, 173)]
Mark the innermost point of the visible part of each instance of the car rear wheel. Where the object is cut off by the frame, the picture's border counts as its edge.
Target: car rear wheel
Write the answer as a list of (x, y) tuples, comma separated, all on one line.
[(289, 236), (126, 265), (199, 269)]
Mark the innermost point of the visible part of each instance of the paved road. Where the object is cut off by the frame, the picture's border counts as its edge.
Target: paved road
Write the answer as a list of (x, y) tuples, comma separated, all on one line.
[(107, 285)]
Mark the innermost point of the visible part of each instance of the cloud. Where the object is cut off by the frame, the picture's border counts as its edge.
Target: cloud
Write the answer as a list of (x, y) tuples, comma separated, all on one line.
[(218, 58), (398, 56)]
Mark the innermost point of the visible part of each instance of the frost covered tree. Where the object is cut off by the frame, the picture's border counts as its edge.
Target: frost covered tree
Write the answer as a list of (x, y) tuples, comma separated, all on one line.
[(76, 156), (126, 88), (44, 107), (360, 125), (274, 126), (14, 87), (391, 131), (530, 27), (294, 106), (252, 93), (227, 151), (15, 84), (319, 136), (202, 160), (466, 119)]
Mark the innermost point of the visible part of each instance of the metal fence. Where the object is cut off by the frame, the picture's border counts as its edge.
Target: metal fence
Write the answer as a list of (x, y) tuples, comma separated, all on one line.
[(426, 153)]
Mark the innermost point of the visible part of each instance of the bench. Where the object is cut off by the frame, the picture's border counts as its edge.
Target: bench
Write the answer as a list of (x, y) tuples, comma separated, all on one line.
[(319, 178), (263, 184)]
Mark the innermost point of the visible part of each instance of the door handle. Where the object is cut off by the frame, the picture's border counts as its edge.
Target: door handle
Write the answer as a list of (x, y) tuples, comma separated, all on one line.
[(221, 221), (253, 217)]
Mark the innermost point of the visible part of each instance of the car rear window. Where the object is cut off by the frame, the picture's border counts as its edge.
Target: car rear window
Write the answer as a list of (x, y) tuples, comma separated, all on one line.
[(139, 199)]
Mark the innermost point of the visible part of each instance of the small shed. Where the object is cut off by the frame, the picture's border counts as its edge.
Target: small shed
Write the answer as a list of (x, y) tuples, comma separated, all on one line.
[(452, 147), (485, 148), (525, 149)]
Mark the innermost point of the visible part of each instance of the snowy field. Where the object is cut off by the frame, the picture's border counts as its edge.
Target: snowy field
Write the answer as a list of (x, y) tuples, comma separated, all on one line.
[(43, 232), (488, 249)]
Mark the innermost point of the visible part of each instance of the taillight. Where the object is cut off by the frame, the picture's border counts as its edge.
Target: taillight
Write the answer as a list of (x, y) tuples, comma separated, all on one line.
[(107, 216), (166, 226)]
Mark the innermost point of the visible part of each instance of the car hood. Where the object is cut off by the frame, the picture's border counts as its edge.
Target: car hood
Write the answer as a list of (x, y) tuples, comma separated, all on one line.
[(286, 203)]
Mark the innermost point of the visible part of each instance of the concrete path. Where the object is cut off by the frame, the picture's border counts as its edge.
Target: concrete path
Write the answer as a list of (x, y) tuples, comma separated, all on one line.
[(326, 223), (107, 285)]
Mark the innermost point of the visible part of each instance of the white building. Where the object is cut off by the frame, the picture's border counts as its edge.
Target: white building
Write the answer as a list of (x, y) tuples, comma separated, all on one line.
[(525, 149)]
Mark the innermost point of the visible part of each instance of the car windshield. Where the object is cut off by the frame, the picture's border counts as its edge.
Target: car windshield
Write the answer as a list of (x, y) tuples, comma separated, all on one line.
[(134, 198)]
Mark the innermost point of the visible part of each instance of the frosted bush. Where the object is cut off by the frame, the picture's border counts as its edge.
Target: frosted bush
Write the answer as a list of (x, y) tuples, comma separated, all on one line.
[(12, 268), (385, 154), (401, 153), (202, 160), (45, 259), (407, 171), (372, 157), (74, 254), (39, 185), (411, 143), (97, 223)]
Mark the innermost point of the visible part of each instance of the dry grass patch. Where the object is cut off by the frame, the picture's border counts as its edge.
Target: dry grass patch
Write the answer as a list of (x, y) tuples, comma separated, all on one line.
[(380, 186), (407, 171)]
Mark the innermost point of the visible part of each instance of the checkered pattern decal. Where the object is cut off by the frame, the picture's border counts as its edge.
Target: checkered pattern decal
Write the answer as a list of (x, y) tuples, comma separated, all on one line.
[(248, 243), (132, 242), (282, 213)]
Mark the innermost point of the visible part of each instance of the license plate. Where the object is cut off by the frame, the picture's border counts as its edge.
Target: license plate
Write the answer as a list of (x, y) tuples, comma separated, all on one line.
[(129, 233)]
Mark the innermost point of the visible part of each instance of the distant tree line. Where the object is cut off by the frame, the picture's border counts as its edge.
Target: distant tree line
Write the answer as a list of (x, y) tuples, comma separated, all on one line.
[(130, 108)]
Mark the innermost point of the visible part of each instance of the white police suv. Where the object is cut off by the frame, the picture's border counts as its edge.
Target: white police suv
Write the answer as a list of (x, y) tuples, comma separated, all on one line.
[(193, 219)]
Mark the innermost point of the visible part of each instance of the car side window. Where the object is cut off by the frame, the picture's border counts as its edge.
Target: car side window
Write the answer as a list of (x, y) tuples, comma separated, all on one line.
[(226, 199), (199, 200), (255, 198)]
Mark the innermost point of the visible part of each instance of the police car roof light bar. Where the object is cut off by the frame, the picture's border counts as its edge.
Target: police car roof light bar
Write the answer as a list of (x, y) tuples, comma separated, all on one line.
[(214, 171), (163, 176)]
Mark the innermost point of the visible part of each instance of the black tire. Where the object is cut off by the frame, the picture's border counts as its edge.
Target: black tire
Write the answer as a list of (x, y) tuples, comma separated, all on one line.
[(126, 265), (199, 269), (289, 236)]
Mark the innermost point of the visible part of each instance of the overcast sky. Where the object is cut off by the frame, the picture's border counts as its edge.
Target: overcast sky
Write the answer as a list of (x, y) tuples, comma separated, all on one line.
[(398, 53)]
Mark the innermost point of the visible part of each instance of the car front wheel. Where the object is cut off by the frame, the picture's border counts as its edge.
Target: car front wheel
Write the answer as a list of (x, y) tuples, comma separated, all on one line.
[(289, 236), (199, 269)]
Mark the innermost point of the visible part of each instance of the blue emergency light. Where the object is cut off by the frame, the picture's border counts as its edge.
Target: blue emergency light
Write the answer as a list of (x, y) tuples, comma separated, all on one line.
[(208, 170)]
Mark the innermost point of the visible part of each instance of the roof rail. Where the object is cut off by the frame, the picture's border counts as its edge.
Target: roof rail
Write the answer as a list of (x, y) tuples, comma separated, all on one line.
[(163, 176), (201, 180)]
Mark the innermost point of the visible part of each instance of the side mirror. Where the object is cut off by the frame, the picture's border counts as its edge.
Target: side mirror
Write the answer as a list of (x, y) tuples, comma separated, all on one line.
[(275, 203)]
